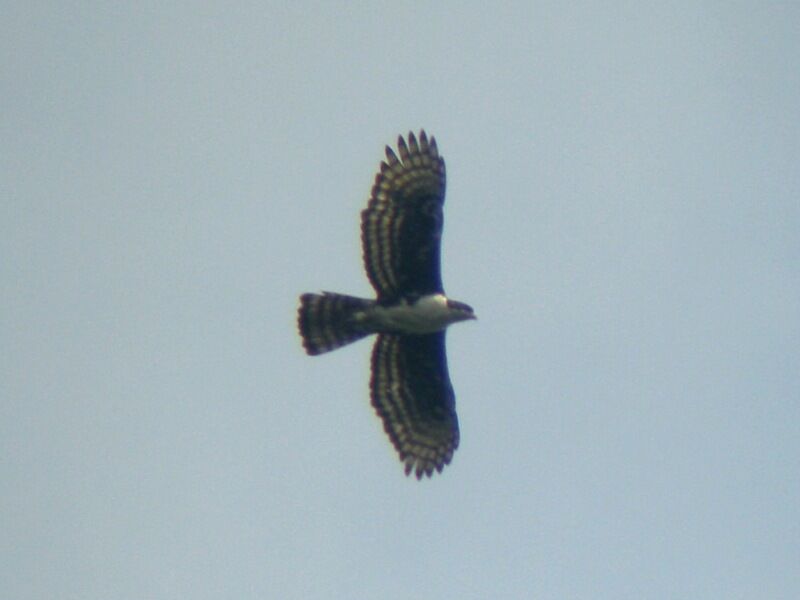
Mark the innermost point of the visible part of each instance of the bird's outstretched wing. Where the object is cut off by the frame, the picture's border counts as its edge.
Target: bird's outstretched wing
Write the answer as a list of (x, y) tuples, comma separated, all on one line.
[(412, 394), (401, 228)]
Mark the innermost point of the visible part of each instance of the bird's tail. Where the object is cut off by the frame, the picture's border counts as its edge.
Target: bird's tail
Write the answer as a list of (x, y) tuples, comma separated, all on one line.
[(327, 321)]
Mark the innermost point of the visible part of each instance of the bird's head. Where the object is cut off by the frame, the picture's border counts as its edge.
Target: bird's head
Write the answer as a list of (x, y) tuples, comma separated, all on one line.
[(460, 311)]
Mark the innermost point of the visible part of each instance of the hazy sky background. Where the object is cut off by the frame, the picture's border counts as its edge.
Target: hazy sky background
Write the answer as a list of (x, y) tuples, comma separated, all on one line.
[(623, 213)]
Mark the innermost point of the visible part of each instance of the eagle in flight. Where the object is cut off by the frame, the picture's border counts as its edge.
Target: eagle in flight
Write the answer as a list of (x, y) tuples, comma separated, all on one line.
[(401, 232)]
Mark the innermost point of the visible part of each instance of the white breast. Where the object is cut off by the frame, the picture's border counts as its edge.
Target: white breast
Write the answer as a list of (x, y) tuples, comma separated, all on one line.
[(426, 315)]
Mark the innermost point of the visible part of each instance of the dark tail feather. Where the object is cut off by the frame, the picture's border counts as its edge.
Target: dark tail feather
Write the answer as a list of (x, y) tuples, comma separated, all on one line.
[(326, 321)]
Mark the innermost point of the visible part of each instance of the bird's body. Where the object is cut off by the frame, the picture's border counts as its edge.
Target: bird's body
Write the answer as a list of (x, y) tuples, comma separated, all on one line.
[(427, 314), (401, 234)]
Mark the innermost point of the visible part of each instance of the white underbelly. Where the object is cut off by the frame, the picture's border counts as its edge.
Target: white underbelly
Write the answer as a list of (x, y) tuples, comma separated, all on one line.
[(427, 315)]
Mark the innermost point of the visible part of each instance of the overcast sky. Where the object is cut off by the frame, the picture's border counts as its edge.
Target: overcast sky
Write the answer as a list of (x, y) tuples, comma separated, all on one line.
[(623, 213)]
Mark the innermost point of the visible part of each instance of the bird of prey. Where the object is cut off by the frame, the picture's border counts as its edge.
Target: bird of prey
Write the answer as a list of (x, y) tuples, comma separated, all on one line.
[(401, 231)]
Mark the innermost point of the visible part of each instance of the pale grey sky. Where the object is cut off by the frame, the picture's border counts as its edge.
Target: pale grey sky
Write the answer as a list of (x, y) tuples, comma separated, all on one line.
[(623, 213)]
